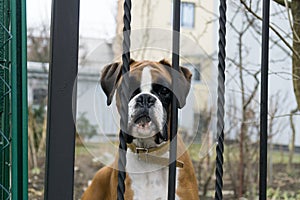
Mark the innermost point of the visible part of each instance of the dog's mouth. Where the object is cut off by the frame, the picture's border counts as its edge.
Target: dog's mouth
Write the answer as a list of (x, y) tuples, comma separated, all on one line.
[(145, 128), (143, 121)]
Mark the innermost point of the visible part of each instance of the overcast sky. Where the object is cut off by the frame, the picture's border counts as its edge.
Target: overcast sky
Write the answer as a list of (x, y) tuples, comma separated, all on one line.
[(97, 17)]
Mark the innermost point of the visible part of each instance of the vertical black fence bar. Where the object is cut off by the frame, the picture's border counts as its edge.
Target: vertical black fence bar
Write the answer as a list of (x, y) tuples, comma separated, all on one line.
[(221, 100), (264, 102), (124, 100), (174, 110), (59, 176)]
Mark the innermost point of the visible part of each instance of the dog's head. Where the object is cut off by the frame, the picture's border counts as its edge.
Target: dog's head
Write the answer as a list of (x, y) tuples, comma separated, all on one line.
[(150, 92)]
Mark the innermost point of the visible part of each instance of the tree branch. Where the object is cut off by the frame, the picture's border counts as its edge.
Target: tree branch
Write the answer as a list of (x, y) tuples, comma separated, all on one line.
[(281, 2), (272, 28), (254, 91)]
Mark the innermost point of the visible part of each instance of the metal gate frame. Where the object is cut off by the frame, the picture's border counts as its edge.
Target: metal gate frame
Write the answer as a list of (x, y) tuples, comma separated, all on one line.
[(60, 149), (63, 71)]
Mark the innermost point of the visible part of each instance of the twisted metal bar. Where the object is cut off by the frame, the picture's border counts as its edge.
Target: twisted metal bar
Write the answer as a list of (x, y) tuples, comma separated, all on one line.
[(221, 100), (124, 95)]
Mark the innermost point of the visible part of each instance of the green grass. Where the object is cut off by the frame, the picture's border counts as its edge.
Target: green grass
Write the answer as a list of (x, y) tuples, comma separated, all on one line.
[(285, 195), (86, 148), (283, 157), (195, 151), (81, 150)]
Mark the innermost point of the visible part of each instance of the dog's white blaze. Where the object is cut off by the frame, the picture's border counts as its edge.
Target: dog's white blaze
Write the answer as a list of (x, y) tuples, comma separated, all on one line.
[(146, 80), (148, 181)]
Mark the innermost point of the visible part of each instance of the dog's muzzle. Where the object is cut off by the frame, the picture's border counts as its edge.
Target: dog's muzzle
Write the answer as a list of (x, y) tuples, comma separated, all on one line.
[(144, 102), (145, 115)]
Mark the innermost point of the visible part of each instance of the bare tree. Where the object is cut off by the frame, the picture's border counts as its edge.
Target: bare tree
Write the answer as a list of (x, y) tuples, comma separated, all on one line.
[(293, 11), (242, 110), (38, 44), (290, 8)]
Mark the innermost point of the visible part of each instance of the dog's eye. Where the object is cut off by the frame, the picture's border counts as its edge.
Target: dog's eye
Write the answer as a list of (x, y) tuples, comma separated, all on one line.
[(164, 91)]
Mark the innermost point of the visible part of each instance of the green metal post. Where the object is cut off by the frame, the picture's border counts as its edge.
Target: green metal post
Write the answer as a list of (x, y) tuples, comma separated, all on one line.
[(15, 188), (24, 100), (19, 101)]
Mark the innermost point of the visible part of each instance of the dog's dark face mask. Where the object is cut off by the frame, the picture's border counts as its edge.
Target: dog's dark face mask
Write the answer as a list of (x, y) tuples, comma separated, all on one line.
[(149, 96)]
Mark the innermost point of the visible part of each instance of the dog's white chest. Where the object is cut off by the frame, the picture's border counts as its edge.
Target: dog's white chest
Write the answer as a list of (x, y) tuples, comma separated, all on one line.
[(148, 181), (150, 185)]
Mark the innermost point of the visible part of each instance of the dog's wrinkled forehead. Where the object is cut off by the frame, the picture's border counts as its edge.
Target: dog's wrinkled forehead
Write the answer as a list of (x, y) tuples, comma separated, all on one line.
[(144, 76), (142, 72)]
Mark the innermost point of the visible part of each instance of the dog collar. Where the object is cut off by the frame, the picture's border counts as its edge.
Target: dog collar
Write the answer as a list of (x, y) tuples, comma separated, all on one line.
[(157, 150), (145, 155)]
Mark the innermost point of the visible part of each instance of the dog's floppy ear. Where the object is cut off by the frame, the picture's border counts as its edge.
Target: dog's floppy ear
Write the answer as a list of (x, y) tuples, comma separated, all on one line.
[(187, 73), (109, 79), (186, 85), (184, 80), (110, 76)]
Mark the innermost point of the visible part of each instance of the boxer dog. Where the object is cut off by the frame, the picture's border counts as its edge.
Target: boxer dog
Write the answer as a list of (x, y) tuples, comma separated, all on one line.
[(148, 134)]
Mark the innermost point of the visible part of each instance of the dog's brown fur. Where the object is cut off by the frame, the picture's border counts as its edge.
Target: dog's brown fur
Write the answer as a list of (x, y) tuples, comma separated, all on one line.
[(105, 182)]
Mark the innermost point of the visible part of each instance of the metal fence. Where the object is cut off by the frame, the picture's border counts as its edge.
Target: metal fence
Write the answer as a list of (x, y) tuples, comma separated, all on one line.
[(60, 143), (13, 100), (5, 89)]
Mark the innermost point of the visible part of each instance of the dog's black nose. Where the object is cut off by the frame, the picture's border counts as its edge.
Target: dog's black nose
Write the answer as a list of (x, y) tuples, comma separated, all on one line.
[(145, 100)]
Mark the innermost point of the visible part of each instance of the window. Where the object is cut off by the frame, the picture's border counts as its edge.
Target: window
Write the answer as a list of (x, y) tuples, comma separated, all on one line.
[(39, 95), (195, 69), (196, 74), (187, 14)]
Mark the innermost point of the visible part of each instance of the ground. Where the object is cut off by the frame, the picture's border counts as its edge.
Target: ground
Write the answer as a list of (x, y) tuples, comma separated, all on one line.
[(85, 169), (284, 185)]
